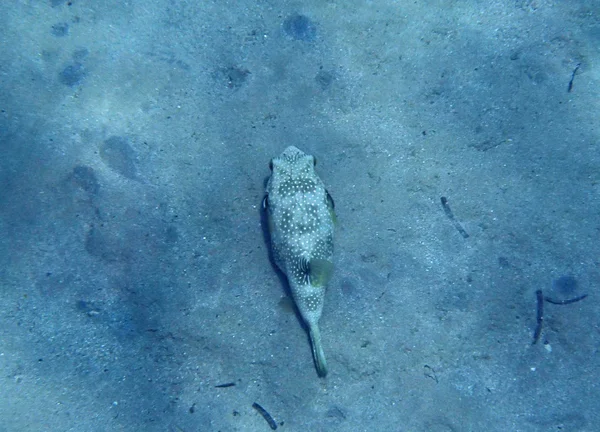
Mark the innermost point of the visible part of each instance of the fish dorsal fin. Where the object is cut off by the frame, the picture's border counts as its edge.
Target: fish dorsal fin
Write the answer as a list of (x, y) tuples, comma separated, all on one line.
[(320, 272)]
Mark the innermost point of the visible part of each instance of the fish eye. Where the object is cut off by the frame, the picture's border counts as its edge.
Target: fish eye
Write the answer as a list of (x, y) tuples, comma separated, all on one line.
[(271, 164)]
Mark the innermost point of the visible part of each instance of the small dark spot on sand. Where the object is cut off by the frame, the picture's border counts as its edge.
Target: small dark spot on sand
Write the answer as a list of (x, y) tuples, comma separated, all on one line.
[(97, 245), (234, 77), (119, 156), (565, 285), (348, 288), (60, 29), (368, 257), (503, 262), (80, 54), (324, 79), (85, 177), (171, 235), (299, 27), (336, 413), (540, 77), (104, 243), (90, 309), (72, 74)]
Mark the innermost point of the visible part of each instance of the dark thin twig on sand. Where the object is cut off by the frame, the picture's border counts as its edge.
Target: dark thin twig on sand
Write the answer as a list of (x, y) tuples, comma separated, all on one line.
[(540, 310), (430, 373), (565, 302), (573, 77), (263, 412), (450, 216), (539, 316), (229, 384)]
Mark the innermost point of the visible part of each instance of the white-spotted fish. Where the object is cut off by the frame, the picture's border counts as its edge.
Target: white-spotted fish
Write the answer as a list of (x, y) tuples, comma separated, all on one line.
[(301, 221)]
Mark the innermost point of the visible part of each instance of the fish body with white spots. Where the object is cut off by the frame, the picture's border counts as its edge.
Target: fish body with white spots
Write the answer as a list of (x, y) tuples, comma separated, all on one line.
[(301, 224)]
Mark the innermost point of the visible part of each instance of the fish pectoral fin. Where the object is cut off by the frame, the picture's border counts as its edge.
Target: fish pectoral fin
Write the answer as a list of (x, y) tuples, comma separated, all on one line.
[(320, 272), (317, 349), (331, 208), (330, 202)]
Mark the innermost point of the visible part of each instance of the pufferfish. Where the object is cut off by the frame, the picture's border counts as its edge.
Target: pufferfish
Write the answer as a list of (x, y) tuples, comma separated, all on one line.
[(301, 223)]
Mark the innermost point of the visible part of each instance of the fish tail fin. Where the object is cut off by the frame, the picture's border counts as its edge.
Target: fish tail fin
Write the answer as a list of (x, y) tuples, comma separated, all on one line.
[(318, 353)]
